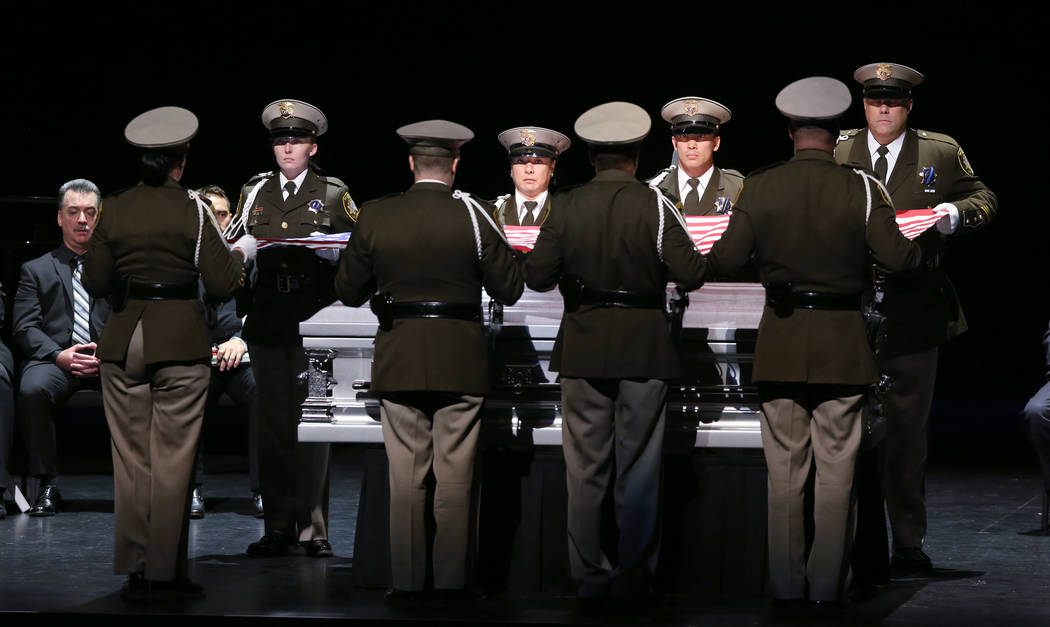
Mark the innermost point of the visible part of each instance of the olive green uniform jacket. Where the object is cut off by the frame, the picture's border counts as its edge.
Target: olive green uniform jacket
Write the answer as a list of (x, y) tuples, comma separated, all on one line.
[(605, 233), (274, 306), (804, 223), (150, 234), (719, 195), (420, 245), (921, 307), (506, 214)]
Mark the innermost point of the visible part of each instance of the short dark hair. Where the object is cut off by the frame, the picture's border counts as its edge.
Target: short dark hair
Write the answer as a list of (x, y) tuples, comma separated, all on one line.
[(155, 164), (607, 157), (430, 164), (213, 190)]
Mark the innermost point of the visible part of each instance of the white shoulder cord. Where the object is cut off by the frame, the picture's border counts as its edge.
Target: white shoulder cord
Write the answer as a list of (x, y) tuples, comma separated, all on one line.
[(472, 207), (867, 191), (663, 204), (235, 226), (200, 226), (660, 176), (500, 203)]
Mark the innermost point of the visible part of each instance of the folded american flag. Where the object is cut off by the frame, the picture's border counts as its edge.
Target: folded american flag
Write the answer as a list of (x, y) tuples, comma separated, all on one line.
[(705, 231), (317, 242)]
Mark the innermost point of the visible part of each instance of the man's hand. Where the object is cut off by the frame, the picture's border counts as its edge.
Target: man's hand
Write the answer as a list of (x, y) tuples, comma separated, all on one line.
[(230, 353), (948, 223), (79, 360)]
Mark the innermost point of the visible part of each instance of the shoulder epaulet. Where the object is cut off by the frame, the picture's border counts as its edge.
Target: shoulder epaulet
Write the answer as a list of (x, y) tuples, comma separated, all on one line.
[(119, 192), (499, 200), (383, 197), (735, 174), (765, 168), (847, 134), (262, 175), (331, 180), (939, 137), (660, 176)]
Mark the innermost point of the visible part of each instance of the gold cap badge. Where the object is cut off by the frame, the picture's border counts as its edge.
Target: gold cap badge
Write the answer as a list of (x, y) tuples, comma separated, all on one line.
[(528, 136), (883, 72), (691, 107), (287, 109)]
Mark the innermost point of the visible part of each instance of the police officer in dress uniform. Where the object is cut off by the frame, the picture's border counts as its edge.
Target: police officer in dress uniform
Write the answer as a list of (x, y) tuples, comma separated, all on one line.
[(613, 247), (695, 185), (920, 169), (533, 153), (810, 222), (151, 242), (429, 251), (288, 285)]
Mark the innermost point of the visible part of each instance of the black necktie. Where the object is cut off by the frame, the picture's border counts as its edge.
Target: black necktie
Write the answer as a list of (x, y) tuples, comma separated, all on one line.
[(691, 205), (528, 219), (881, 164), (290, 188)]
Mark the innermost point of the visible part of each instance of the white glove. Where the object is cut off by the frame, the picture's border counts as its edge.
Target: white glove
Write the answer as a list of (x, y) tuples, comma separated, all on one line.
[(947, 224), (247, 245), (331, 255)]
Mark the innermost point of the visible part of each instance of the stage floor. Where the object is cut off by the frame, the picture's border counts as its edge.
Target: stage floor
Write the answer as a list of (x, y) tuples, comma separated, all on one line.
[(993, 566)]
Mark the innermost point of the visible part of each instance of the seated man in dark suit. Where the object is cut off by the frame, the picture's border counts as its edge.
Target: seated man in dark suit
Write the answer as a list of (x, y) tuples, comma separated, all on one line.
[(56, 324), (231, 373), (7, 409)]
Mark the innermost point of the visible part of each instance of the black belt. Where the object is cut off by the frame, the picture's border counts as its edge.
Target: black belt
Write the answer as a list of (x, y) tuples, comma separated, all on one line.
[(435, 309), (286, 283), (813, 300), (163, 291), (622, 298)]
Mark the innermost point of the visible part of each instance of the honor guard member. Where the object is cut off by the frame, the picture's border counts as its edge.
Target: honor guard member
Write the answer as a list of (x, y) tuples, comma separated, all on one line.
[(288, 285), (810, 222), (613, 246), (429, 251), (920, 169), (533, 153), (695, 185), (151, 244)]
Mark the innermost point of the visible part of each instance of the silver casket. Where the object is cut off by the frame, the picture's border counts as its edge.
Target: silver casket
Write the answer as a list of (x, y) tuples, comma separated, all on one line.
[(714, 405)]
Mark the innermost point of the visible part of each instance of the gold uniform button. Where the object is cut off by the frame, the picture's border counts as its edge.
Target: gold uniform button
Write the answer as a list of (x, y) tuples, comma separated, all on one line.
[(284, 225)]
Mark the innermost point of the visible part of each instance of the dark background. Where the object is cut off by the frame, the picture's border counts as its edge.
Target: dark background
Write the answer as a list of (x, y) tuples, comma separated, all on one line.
[(74, 77)]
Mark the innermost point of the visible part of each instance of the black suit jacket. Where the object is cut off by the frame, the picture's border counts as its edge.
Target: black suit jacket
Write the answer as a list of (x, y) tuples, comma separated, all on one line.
[(43, 308)]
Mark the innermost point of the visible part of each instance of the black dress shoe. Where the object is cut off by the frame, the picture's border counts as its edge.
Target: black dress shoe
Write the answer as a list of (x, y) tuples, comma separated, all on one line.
[(257, 505), (138, 589), (196, 505), (48, 501), (272, 544), (911, 561), (317, 548)]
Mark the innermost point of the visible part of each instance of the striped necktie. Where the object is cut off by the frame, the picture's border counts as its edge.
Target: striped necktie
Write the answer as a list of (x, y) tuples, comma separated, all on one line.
[(81, 306)]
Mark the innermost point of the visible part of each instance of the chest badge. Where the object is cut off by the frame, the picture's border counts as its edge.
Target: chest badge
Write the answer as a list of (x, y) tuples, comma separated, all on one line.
[(723, 205), (315, 206), (928, 179)]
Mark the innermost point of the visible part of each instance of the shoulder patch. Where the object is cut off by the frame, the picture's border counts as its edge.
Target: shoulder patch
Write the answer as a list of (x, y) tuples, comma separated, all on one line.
[(964, 163), (349, 207)]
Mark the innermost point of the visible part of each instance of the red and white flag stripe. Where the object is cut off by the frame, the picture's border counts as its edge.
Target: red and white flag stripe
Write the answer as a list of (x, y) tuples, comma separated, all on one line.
[(705, 231)]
